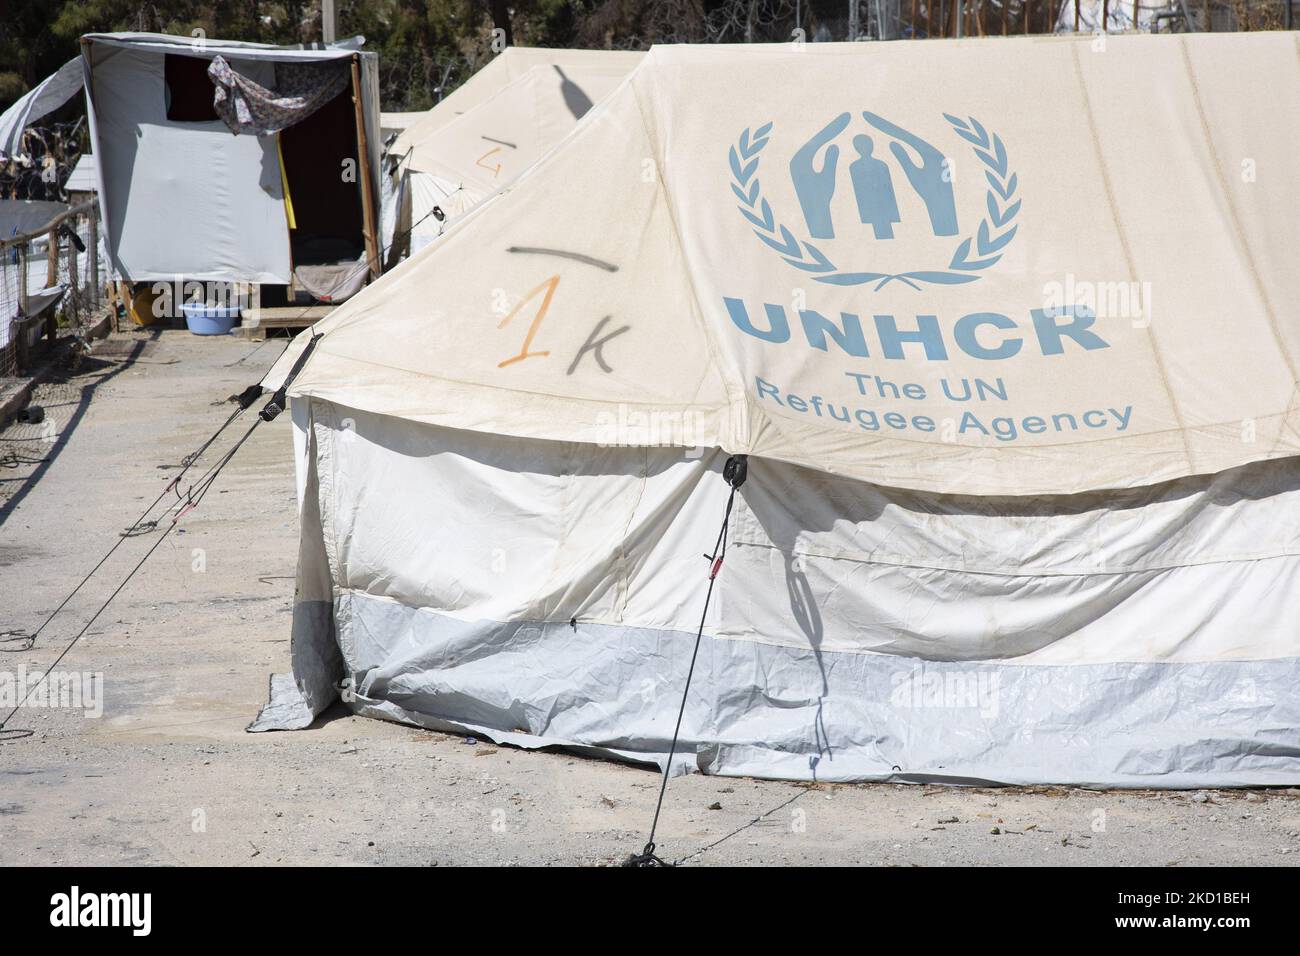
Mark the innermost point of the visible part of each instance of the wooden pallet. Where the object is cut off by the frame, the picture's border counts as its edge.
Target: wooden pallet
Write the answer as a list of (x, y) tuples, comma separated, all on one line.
[(256, 322)]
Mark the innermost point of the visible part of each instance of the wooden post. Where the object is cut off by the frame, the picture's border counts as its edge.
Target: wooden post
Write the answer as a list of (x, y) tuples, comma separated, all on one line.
[(52, 258), (51, 277), (363, 161), (71, 297), (92, 233), (22, 278)]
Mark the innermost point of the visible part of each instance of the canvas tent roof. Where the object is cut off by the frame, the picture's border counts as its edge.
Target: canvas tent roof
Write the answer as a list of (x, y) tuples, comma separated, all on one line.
[(657, 265), (495, 141), (502, 70), (187, 197)]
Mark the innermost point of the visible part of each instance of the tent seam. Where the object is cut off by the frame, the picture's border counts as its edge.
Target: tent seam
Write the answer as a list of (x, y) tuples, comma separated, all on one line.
[(734, 396)]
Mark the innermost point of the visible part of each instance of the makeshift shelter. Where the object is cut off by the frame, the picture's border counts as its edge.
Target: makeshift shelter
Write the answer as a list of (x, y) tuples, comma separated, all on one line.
[(1011, 359), (470, 145), (236, 162)]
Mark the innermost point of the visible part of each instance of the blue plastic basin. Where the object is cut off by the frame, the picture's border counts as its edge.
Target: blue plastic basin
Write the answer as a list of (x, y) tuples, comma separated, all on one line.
[(209, 319)]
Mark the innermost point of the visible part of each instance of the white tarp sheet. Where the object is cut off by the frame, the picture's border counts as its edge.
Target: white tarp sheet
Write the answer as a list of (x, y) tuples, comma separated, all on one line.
[(547, 592)]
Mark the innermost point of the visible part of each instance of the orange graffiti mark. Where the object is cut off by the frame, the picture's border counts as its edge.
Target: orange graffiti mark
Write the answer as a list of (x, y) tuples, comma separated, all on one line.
[(496, 170), (549, 285)]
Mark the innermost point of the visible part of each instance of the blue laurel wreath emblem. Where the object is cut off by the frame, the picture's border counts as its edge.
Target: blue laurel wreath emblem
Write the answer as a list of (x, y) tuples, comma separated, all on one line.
[(974, 253)]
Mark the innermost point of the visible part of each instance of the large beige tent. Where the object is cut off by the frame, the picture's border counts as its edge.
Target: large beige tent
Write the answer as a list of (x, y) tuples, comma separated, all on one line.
[(1012, 361), (503, 120)]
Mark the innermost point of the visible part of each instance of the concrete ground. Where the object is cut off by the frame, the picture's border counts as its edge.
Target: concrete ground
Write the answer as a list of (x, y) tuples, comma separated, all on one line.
[(168, 775)]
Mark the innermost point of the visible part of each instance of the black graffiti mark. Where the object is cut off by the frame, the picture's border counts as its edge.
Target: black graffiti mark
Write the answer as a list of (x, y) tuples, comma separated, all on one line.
[(595, 345), (575, 256), (499, 142)]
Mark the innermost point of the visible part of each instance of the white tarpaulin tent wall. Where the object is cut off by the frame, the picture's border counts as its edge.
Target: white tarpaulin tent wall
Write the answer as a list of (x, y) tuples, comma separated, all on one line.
[(186, 197), (1002, 523), (463, 150)]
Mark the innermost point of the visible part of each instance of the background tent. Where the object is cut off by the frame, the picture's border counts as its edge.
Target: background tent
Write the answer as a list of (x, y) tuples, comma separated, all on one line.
[(84, 176), (464, 149), (1001, 523), (498, 73), (43, 99), (183, 196), (391, 124)]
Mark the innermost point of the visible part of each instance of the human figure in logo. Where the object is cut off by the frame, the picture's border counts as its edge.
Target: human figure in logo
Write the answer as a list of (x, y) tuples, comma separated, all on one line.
[(928, 178), (874, 189), (815, 187)]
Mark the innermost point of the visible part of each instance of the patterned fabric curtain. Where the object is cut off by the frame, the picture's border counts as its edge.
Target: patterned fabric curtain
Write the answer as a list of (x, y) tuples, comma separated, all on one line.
[(302, 89)]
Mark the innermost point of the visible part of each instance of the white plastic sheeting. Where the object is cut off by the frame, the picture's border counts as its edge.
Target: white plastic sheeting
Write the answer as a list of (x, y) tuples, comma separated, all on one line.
[(548, 593)]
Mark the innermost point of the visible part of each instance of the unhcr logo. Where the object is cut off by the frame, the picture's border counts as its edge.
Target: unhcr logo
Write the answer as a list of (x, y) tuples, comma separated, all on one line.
[(828, 212)]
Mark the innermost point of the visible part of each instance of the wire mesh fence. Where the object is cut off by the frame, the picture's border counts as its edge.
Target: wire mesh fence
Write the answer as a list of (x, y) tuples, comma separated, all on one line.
[(52, 279)]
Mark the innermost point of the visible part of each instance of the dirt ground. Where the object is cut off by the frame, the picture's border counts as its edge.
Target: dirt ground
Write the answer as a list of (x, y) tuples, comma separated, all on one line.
[(168, 775)]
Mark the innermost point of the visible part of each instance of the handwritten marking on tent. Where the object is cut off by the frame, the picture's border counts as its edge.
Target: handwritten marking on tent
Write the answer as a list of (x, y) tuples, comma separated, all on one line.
[(575, 256), (597, 345), (499, 142), (496, 170), (549, 285)]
